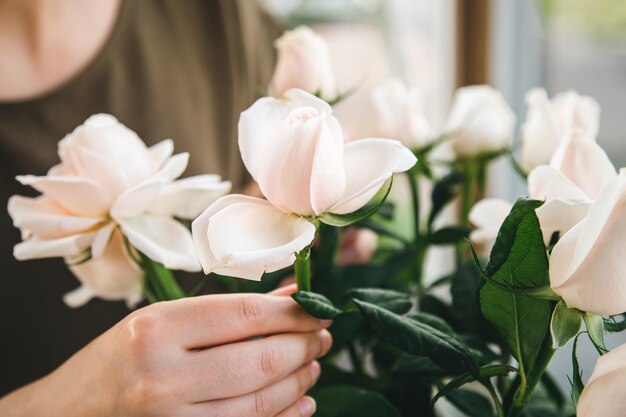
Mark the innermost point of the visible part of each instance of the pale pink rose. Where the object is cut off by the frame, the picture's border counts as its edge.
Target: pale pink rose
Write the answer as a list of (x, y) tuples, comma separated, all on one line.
[(109, 179), (586, 264), (548, 121), (293, 147), (578, 172), (304, 63), (400, 114), (480, 121), (603, 395), (487, 215)]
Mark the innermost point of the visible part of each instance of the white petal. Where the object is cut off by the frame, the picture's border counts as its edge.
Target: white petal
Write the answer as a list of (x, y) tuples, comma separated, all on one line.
[(301, 171), (560, 216), (139, 198), (189, 197), (35, 248), (46, 220), (77, 195), (244, 237), (604, 393), (161, 152), (258, 124), (541, 134), (368, 163), (111, 276), (162, 239), (576, 111), (78, 297), (481, 121), (488, 215), (586, 264), (546, 182), (102, 239), (584, 162)]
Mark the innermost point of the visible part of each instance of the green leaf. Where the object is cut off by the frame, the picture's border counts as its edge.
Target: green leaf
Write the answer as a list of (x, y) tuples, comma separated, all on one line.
[(565, 324), (488, 371), (418, 338), (433, 321), (614, 326), (518, 259), (577, 378), (317, 305), (347, 401), (448, 235), (341, 220), (471, 403), (595, 328), (443, 192), (420, 366), (395, 301)]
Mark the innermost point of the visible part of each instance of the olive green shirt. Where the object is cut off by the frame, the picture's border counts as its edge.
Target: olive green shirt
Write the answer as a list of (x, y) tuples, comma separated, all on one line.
[(180, 69)]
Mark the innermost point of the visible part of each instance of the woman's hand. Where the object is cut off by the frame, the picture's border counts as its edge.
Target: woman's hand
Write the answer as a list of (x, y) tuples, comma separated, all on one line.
[(199, 356)]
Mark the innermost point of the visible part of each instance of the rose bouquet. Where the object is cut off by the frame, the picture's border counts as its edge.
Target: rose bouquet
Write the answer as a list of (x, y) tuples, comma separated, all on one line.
[(525, 276)]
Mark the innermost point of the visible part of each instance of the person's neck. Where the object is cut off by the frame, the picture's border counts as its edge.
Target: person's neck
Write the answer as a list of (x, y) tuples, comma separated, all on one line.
[(45, 42)]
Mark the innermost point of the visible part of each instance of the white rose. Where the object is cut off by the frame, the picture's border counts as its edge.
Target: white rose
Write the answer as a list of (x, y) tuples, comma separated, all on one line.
[(304, 63), (400, 114), (481, 121), (603, 395), (487, 215), (109, 179), (586, 265), (578, 172), (547, 121), (294, 149)]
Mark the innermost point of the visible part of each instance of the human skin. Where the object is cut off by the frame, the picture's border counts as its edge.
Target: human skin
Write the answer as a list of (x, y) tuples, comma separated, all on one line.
[(218, 355)]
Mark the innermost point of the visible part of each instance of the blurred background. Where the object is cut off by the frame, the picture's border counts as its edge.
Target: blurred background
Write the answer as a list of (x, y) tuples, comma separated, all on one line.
[(513, 45)]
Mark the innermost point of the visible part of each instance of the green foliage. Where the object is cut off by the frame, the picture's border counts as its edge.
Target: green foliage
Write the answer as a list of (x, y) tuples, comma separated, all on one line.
[(471, 403), (465, 378), (448, 236), (518, 259), (613, 326), (418, 338), (577, 377), (317, 305), (595, 329), (565, 324), (395, 301), (443, 192), (348, 401)]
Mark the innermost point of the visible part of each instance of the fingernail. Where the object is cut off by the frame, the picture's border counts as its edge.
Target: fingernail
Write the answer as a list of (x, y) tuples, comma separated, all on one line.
[(306, 406), (326, 323), (327, 341), (315, 369)]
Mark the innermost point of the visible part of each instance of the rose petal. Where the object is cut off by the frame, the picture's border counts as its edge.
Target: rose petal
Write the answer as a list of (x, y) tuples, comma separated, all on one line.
[(541, 134), (586, 263), (368, 163), (102, 239), (584, 162), (162, 239), (546, 182), (139, 198), (603, 394), (187, 198), (488, 215), (161, 152), (46, 220), (258, 124), (111, 276), (35, 248), (77, 195), (244, 237), (301, 170)]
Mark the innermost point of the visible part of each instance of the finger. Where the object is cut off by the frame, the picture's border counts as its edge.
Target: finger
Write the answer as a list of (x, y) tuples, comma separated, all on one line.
[(242, 368), (201, 322), (288, 288), (284, 396), (305, 407)]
